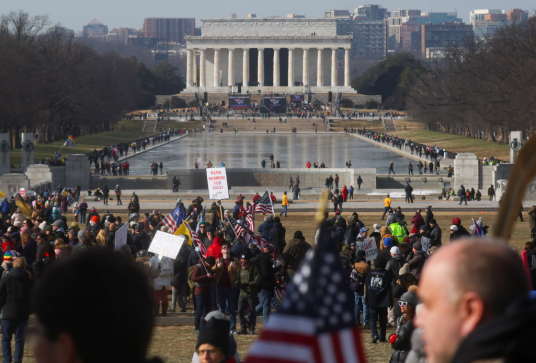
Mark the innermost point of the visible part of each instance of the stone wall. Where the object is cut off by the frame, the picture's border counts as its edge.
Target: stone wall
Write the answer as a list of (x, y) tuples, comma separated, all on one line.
[(77, 171), (309, 178), (10, 184), (129, 182), (466, 171), (417, 182), (39, 173)]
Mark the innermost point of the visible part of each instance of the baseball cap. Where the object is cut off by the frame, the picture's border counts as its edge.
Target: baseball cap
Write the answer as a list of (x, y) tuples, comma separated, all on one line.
[(363, 230), (453, 228), (395, 250)]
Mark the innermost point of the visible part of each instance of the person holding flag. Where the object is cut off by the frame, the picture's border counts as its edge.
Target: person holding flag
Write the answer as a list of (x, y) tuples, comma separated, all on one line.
[(265, 204)]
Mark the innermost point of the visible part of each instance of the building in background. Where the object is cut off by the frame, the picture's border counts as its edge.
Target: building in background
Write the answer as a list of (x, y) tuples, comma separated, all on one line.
[(436, 37), (172, 30), (94, 28), (122, 34), (65, 31), (372, 12), (336, 14), (397, 18), (517, 15), (486, 21), (369, 37), (411, 37), (295, 16)]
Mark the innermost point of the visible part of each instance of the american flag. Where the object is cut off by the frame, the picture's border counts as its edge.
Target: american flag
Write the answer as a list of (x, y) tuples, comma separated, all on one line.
[(174, 219), (479, 231), (250, 221), (315, 322), (249, 236), (197, 241), (265, 204)]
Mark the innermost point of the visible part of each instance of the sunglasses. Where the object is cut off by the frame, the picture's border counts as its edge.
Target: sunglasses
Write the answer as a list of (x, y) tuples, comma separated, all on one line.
[(224, 248), (403, 304)]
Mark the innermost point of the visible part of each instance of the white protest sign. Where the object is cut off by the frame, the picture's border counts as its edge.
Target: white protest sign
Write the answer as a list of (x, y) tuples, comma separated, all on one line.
[(121, 237), (165, 244), (370, 248), (22, 192), (425, 243), (217, 183)]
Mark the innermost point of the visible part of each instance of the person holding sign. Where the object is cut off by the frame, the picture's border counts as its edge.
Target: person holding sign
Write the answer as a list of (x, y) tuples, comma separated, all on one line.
[(162, 283)]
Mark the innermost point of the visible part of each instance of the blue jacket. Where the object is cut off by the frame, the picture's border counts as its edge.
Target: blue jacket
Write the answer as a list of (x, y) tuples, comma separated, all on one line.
[(265, 228), (6, 206)]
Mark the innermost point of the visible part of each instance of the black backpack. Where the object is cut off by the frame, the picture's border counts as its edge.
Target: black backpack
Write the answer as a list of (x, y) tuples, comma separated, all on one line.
[(356, 280)]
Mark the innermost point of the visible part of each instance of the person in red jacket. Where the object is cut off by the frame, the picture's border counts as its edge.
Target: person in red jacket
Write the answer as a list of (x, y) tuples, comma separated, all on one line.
[(7, 242), (272, 197), (256, 198), (215, 248), (308, 165)]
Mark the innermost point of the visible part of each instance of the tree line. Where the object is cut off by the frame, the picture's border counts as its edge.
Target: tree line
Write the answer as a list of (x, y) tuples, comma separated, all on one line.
[(483, 89), (55, 86)]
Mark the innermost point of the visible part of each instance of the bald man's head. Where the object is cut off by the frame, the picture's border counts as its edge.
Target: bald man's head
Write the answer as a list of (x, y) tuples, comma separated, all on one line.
[(463, 285)]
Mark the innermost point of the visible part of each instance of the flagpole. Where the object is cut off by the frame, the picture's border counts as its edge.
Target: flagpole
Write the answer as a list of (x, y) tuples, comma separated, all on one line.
[(273, 211), (193, 241)]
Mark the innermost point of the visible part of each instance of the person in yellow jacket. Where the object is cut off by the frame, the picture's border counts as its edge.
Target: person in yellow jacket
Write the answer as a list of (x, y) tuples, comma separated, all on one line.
[(387, 205), (284, 204)]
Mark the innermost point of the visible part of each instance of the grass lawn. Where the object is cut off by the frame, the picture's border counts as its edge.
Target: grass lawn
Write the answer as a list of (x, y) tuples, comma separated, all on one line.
[(85, 144), (415, 130)]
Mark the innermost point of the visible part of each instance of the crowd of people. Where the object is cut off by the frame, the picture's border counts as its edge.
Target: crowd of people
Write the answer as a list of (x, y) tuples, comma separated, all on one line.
[(237, 276)]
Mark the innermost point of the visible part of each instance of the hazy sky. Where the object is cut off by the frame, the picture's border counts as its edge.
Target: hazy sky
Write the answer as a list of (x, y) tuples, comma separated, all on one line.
[(74, 14)]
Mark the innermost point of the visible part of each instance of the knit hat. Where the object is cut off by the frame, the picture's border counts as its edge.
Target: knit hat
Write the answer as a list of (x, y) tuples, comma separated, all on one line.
[(454, 228), (58, 223), (377, 227), (8, 256), (395, 250), (417, 246), (81, 234), (457, 220), (95, 219), (410, 298), (24, 230), (211, 229), (388, 242), (299, 235), (425, 228), (404, 270), (277, 220), (216, 333), (414, 231)]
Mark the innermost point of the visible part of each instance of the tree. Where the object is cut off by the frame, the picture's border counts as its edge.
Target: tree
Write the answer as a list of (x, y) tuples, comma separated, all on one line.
[(167, 79), (395, 73)]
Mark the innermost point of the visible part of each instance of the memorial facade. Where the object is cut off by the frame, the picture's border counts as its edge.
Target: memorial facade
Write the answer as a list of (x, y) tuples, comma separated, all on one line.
[(260, 55)]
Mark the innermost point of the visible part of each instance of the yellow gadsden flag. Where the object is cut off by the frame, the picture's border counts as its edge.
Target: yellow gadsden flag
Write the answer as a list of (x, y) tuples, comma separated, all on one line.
[(184, 229), (2, 194)]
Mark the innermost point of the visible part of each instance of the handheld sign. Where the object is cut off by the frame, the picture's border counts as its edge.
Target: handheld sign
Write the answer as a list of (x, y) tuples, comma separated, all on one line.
[(22, 192), (217, 183), (425, 242), (121, 237), (165, 244), (370, 248)]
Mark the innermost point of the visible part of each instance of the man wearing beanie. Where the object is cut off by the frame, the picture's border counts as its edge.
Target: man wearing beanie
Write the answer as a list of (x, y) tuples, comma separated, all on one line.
[(435, 232), (232, 346), (294, 253), (416, 260), (213, 341), (276, 236)]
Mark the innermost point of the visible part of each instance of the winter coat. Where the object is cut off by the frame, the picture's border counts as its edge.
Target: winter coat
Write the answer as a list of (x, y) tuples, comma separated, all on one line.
[(15, 295), (417, 221), (151, 272), (435, 235), (233, 272), (266, 270), (416, 263), (277, 237), (202, 281), (428, 217), (402, 343), (395, 264), (17, 219), (252, 278), (180, 268), (29, 251), (294, 253), (264, 229), (532, 217), (164, 278)]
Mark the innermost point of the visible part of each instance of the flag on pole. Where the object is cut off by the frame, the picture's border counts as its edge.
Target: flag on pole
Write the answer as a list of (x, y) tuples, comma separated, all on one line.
[(174, 219), (194, 238), (265, 204), (70, 140), (315, 321), (250, 221), (479, 230), (249, 236)]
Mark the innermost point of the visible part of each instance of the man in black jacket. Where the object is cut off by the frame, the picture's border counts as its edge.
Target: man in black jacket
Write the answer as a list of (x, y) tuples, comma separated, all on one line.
[(180, 280), (429, 215), (15, 302), (409, 195), (277, 236), (379, 297), (263, 262)]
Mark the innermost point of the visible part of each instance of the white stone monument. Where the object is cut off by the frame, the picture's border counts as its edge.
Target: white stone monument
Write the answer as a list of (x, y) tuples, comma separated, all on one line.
[(4, 157), (516, 141), (27, 150)]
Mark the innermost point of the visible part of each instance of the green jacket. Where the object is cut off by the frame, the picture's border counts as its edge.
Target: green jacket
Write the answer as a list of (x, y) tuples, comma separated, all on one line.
[(398, 231), (251, 276)]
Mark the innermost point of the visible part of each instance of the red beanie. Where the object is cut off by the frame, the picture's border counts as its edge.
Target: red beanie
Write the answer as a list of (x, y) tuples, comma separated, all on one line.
[(95, 219), (457, 220), (414, 231)]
